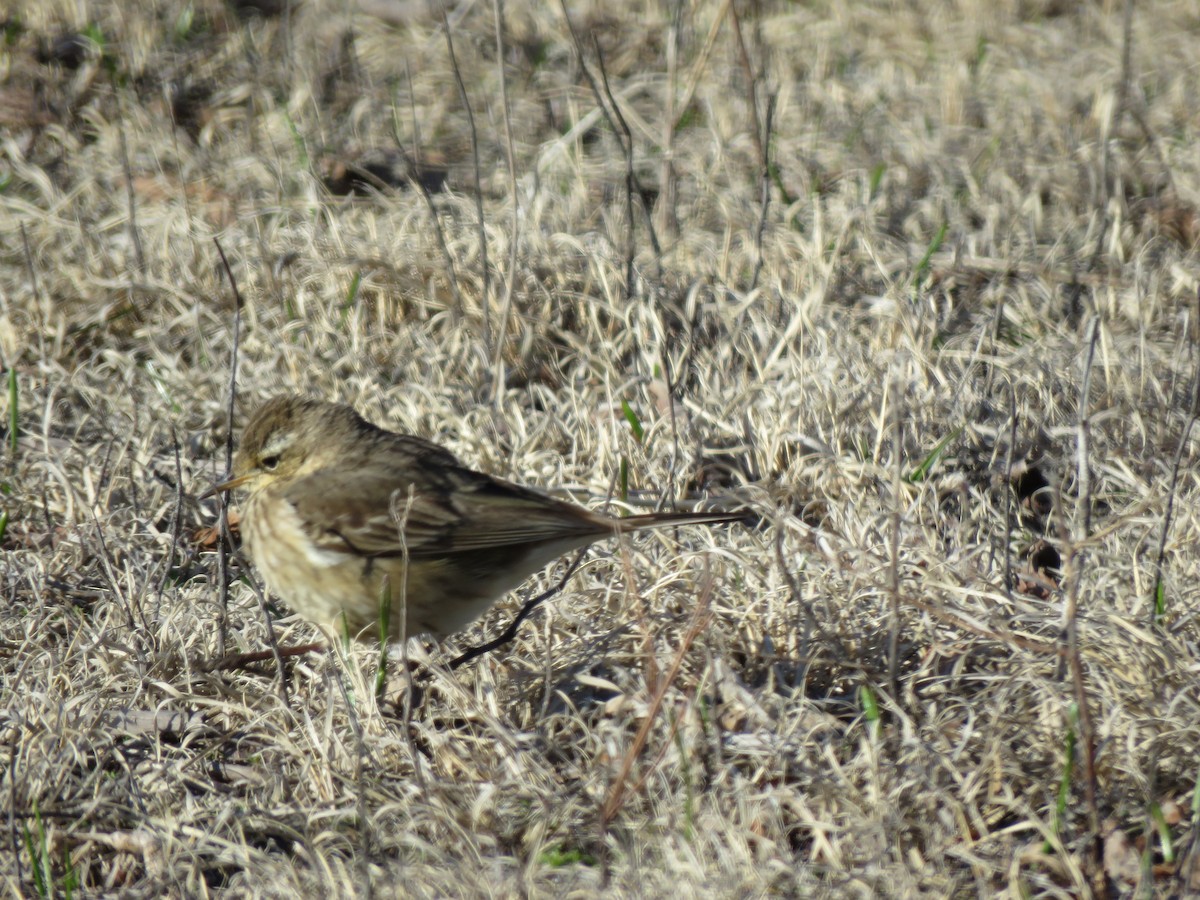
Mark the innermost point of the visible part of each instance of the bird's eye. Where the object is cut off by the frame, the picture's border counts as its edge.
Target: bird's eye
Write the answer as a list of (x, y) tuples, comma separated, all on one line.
[(269, 462)]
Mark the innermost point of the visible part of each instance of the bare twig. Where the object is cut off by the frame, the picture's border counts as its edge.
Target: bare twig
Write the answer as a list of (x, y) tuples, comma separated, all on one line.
[(1075, 290), (43, 311), (485, 299), (131, 199), (634, 185), (616, 121), (626, 137), (669, 186), (1135, 110), (635, 600), (701, 62), (418, 184), (811, 623), (761, 127), (114, 584), (514, 238), (701, 616), (176, 520), (1118, 115), (1156, 604), (765, 196), (1009, 577), (129, 600), (1126, 68), (894, 548), (226, 541), (14, 843), (754, 80), (668, 495), (527, 609), (1072, 574), (1083, 510)]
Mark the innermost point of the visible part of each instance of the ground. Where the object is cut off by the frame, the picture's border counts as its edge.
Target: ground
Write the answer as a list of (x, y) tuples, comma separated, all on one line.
[(915, 282)]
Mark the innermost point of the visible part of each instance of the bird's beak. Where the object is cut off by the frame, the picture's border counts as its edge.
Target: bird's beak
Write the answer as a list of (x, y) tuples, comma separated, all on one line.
[(227, 485)]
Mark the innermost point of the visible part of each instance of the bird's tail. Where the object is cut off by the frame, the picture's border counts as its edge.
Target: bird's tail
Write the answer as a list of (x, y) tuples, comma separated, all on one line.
[(662, 520)]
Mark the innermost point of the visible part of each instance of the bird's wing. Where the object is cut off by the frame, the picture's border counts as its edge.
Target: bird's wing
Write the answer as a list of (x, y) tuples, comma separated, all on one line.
[(449, 509)]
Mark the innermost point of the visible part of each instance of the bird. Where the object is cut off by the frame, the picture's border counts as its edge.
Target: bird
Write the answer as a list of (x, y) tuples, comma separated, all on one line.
[(343, 517)]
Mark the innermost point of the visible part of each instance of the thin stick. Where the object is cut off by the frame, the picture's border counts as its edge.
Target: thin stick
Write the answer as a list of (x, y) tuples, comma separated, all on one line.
[(1009, 514), (1073, 566), (1117, 116), (274, 651), (828, 638), (1138, 114), (754, 79), (626, 137), (176, 520), (702, 62), (635, 600), (701, 616), (418, 184), (515, 237), (762, 138), (764, 197), (1075, 290), (668, 495), (131, 200), (111, 575), (616, 121), (14, 843), (1083, 433), (634, 185), (226, 541), (527, 609), (485, 299), (1156, 606), (37, 295), (894, 550), (669, 218), (530, 605)]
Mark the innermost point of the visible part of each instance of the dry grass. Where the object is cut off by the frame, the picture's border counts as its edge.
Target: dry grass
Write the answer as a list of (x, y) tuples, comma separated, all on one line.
[(752, 667)]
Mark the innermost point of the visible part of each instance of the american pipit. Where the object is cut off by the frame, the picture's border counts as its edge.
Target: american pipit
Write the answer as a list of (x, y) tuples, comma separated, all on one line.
[(342, 514)]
